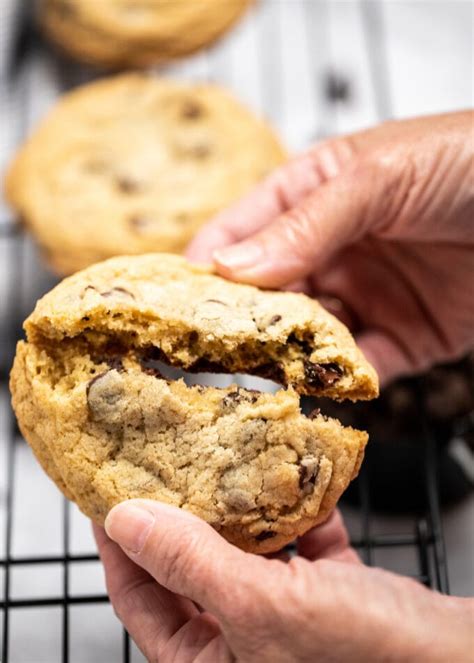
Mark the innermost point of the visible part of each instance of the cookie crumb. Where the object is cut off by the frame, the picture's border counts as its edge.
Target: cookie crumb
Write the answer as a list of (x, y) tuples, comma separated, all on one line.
[(322, 375), (308, 473)]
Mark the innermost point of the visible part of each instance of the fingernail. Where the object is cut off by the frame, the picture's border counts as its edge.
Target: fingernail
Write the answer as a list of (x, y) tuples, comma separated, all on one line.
[(129, 526), (239, 256)]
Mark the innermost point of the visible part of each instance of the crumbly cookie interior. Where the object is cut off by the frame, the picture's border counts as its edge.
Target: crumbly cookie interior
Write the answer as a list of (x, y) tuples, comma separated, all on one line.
[(288, 363), (297, 360)]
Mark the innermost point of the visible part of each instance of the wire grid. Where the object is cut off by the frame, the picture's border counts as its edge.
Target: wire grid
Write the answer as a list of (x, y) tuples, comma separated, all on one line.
[(426, 537)]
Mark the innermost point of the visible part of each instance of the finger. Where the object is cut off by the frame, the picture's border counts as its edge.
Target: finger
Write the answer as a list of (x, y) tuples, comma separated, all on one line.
[(186, 555), (329, 540), (306, 237), (150, 613), (279, 192)]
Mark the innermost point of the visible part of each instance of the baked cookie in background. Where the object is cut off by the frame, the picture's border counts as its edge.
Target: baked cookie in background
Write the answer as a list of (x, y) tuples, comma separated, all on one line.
[(136, 33), (132, 164), (93, 401)]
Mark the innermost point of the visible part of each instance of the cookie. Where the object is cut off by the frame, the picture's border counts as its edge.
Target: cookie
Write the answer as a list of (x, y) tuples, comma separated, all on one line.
[(133, 164), (166, 308), (126, 33), (91, 397)]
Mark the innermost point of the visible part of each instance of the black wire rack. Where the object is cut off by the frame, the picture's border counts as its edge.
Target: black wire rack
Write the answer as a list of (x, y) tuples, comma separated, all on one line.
[(424, 537)]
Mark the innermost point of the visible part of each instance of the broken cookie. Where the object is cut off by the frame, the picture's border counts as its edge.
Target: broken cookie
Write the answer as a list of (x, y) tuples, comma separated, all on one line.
[(93, 402)]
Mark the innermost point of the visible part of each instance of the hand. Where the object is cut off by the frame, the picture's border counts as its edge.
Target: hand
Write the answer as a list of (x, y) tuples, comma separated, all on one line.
[(184, 594), (380, 226)]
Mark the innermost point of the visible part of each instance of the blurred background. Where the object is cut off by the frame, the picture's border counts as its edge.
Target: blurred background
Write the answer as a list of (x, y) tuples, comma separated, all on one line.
[(314, 69)]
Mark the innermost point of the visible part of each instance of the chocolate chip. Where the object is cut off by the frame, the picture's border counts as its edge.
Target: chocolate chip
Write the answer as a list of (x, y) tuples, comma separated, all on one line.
[(274, 320), (308, 473), (240, 500), (94, 380), (128, 184), (140, 223), (322, 375), (266, 534), (105, 397), (191, 110), (237, 396), (201, 151), (108, 392), (117, 292), (85, 318), (193, 336)]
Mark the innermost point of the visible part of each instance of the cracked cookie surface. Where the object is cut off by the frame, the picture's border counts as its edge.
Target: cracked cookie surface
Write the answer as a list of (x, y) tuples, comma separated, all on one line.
[(122, 33), (132, 164)]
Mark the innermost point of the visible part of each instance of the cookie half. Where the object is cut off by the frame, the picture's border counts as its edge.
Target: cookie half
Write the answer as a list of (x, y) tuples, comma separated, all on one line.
[(106, 425), (132, 164), (124, 33), (168, 309)]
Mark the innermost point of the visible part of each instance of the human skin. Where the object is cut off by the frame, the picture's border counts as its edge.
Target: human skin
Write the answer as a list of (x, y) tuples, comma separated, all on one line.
[(381, 221), (380, 226)]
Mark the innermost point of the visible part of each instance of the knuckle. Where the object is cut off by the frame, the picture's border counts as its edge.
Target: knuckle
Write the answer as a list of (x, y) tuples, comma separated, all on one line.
[(299, 230), (279, 183), (331, 157), (384, 177)]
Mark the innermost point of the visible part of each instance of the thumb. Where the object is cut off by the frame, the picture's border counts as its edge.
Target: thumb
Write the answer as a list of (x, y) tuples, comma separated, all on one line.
[(303, 239), (186, 555)]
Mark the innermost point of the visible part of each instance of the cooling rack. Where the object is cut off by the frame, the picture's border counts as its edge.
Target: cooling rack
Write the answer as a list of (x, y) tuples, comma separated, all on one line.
[(263, 41)]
